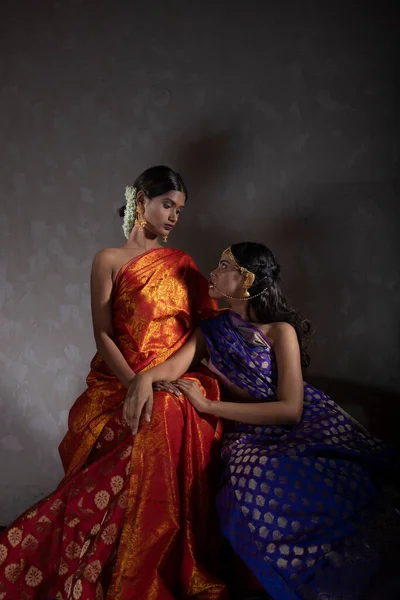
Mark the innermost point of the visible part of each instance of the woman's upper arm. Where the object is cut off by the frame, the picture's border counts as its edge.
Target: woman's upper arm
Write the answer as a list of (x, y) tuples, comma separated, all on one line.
[(200, 346), (192, 352), (287, 353), (101, 284)]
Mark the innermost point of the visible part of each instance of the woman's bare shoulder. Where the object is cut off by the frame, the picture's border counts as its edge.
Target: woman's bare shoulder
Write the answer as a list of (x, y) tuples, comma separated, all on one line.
[(106, 257), (110, 252), (279, 331)]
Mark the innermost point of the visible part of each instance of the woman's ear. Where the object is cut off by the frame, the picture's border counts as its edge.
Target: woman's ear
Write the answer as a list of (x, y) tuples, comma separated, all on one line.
[(140, 198)]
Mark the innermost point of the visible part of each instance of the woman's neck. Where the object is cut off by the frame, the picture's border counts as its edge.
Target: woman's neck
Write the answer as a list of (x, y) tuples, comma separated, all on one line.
[(142, 239), (240, 308)]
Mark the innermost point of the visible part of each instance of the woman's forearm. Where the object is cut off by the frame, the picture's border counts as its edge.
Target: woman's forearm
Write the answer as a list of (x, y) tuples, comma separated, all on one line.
[(114, 359), (170, 370), (173, 368), (257, 413)]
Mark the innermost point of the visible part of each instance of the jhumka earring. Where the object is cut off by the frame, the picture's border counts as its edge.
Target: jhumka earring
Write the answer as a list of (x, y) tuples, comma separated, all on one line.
[(249, 276), (140, 221), (165, 239), (248, 282)]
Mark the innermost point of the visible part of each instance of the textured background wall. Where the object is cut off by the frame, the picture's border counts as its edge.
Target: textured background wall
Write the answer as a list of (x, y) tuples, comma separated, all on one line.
[(282, 121)]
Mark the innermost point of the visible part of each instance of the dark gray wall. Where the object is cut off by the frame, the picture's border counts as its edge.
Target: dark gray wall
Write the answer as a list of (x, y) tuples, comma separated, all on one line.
[(281, 116)]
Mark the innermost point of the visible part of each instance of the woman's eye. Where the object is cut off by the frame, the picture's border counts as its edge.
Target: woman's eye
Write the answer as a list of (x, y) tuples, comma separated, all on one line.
[(166, 205)]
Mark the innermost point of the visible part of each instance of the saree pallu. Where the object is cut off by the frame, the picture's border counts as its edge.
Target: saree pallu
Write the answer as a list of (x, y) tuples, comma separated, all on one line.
[(301, 506), (132, 518)]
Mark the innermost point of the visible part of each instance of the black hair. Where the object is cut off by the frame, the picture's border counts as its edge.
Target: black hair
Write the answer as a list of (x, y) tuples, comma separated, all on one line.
[(270, 306), (157, 181)]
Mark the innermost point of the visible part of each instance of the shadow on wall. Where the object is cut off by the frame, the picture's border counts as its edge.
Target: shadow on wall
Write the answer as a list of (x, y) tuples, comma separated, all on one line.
[(338, 247), (206, 159), (207, 156)]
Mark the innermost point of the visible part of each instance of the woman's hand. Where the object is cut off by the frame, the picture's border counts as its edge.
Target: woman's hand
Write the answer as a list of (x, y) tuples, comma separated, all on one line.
[(138, 400), (166, 386), (193, 393)]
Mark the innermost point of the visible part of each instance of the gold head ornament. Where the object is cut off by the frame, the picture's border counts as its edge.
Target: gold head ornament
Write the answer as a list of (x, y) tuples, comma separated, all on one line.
[(249, 276)]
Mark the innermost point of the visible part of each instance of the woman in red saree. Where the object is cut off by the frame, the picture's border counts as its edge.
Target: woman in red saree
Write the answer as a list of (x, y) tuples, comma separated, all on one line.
[(131, 518)]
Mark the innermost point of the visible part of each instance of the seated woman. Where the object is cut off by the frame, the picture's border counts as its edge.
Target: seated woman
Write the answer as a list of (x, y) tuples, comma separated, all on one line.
[(121, 523), (301, 503)]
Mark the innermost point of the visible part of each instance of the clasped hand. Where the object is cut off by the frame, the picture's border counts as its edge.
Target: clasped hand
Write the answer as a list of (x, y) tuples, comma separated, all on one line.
[(189, 388), (139, 397)]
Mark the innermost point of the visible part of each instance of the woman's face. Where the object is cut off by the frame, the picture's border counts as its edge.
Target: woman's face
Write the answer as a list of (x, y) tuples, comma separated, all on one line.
[(162, 212), (226, 280)]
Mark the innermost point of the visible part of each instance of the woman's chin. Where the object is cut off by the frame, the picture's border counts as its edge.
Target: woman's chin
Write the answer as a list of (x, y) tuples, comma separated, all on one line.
[(213, 293)]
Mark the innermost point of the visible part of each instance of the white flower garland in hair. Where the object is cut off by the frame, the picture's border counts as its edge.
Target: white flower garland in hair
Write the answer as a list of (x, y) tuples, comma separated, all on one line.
[(130, 210)]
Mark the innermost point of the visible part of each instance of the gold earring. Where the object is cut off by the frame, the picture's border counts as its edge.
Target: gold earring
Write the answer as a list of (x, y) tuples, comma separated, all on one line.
[(249, 276), (165, 239), (140, 220), (248, 282)]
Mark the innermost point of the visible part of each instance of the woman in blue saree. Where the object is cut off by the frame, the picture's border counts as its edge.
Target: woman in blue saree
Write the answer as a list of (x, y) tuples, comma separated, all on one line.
[(301, 502)]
